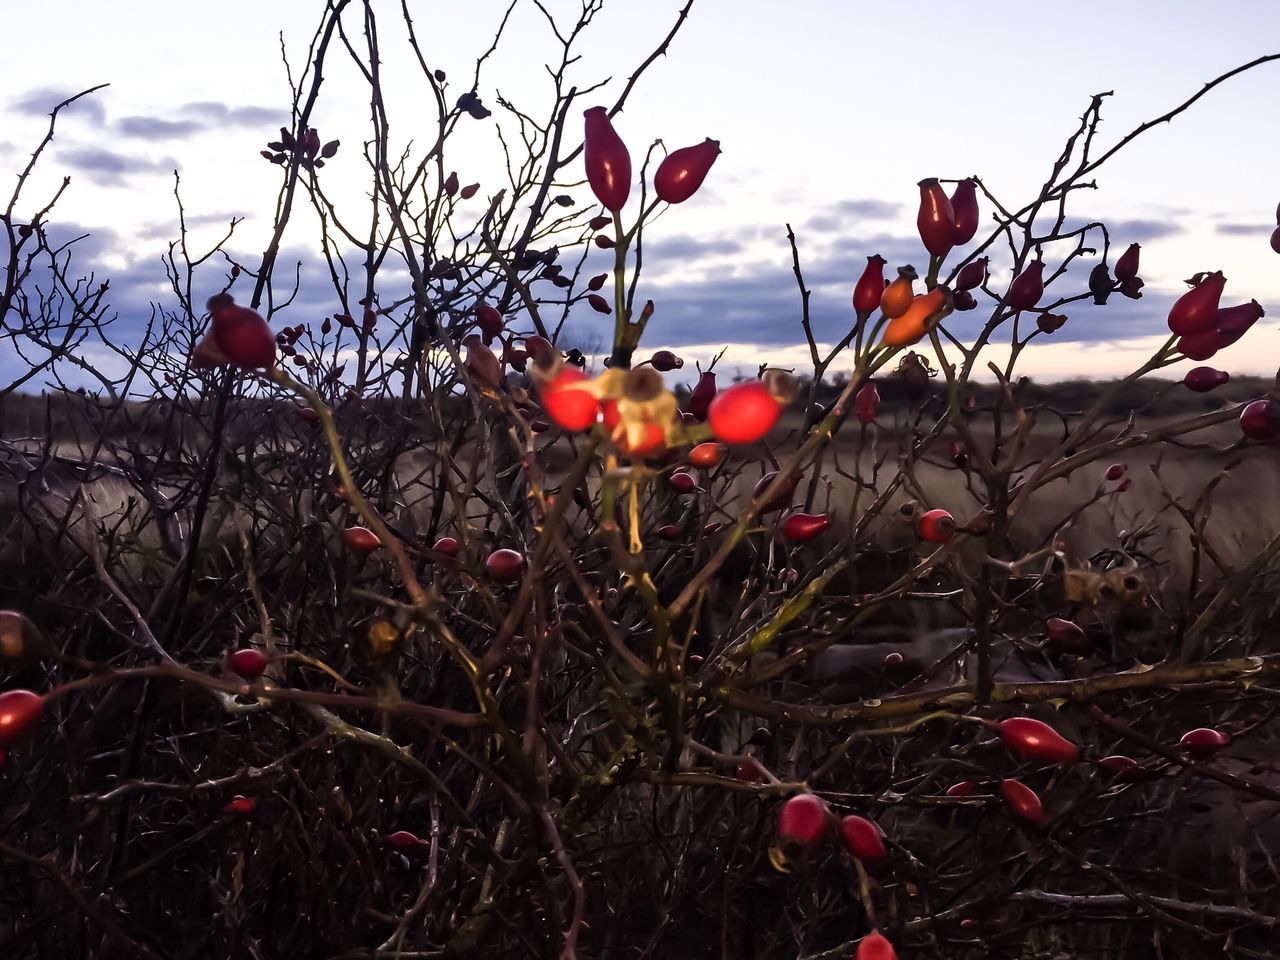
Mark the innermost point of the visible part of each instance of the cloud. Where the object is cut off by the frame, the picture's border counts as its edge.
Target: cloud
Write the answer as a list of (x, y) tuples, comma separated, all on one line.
[(1142, 230), (225, 115), (168, 229), (154, 128), (108, 168), (848, 214), (1244, 229), (41, 101)]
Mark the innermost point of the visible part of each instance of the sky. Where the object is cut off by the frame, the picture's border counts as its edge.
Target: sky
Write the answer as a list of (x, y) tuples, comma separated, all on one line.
[(828, 114)]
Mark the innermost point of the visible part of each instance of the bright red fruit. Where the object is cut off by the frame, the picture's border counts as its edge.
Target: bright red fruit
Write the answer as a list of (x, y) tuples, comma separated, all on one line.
[(965, 788), (1203, 742), (406, 842), (1197, 309), (248, 662), (360, 540), (706, 455), (870, 287), (505, 565), (1067, 636), (964, 209), (1033, 740), (447, 546), (803, 822), (972, 274), (241, 334), (743, 413), (239, 806), (682, 482), (607, 160), (936, 526), (862, 838), (935, 219), (874, 946), (1027, 287), (567, 403), (489, 320), (866, 405), (1204, 379), (704, 391), (779, 499), (1260, 420), (1115, 471), (19, 711), (682, 171), (1022, 801), (803, 527)]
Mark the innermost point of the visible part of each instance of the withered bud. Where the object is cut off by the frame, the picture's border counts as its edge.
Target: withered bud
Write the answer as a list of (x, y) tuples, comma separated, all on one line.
[(783, 386), (642, 384)]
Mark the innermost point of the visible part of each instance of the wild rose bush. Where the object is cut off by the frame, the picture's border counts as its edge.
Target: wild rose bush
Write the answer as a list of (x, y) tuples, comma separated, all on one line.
[(422, 634)]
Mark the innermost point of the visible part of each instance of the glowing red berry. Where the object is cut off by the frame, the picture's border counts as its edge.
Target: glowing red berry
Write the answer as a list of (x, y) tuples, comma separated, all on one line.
[(935, 219), (870, 286), (862, 838), (803, 527), (19, 712), (1197, 309), (1022, 801), (964, 210), (607, 160), (241, 334), (803, 822), (874, 946), (1034, 740), (682, 171), (706, 455), (743, 413), (1027, 287), (936, 526), (568, 402), (248, 662), (1203, 742)]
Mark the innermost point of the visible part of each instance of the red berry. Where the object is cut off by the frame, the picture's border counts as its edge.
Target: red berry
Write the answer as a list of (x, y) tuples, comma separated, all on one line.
[(360, 540), (1027, 287), (965, 788), (505, 565), (862, 838), (1127, 265), (1197, 309), (972, 275), (1204, 379), (778, 500), (964, 209), (936, 526), (682, 171), (744, 413), (892, 659), (540, 349), (875, 947), (803, 527), (1033, 740), (1203, 742), (488, 320), (870, 287), (866, 405), (607, 160), (665, 361), (406, 842), (1121, 768), (706, 455), (1067, 636), (242, 335), (1260, 420), (670, 532), (748, 770), (803, 822), (19, 711), (682, 482), (1022, 801), (447, 546), (567, 402), (598, 303), (704, 391), (248, 662), (935, 219), (239, 806), (309, 416), (1115, 471)]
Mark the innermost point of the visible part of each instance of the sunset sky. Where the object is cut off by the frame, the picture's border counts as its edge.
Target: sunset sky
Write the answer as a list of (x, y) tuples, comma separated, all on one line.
[(828, 113)]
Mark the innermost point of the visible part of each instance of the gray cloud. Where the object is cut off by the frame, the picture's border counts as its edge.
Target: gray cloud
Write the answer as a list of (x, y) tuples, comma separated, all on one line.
[(155, 128), (849, 214), (108, 168), (1244, 229), (226, 115), (41, 101), (1142, 231), (168, 229)]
